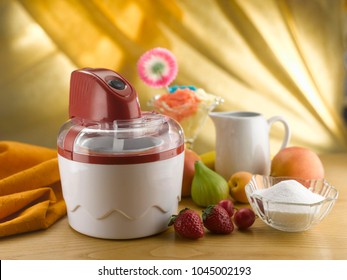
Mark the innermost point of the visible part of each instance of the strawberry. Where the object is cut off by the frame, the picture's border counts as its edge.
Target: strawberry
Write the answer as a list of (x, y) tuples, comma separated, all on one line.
[(217, 220), (187, 224)]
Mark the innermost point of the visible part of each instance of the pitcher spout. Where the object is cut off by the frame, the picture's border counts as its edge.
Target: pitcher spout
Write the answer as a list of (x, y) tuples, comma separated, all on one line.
[(215, 116), (219, 117)]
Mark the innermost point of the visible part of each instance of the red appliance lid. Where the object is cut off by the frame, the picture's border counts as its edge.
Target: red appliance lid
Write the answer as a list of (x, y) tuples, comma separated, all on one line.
[(108, 127), (102, 95)]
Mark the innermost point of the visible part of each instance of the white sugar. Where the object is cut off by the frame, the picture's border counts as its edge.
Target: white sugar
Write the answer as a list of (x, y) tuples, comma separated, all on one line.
[(290, 191), (289, 217)]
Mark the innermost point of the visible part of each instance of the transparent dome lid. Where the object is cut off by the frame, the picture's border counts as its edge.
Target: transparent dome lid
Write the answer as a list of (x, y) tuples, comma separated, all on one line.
[(149, 138), (107, 125)]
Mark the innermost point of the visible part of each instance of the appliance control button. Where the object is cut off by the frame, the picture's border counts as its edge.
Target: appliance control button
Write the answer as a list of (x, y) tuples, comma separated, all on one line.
[(117, 84)]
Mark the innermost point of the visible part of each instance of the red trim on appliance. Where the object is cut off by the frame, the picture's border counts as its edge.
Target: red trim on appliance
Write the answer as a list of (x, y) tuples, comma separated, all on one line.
[(69, 141), (123, 159)]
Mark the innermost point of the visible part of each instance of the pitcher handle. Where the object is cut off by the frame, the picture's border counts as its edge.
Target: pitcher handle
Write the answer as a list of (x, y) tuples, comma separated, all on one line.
[(286, 129)]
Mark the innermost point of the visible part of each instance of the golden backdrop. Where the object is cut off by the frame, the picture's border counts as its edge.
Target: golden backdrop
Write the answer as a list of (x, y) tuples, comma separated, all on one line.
[(276, 57)]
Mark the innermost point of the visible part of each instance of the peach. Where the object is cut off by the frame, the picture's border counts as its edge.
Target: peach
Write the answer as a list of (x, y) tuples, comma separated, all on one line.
[(237, 184), (297, 162), (190, 157)]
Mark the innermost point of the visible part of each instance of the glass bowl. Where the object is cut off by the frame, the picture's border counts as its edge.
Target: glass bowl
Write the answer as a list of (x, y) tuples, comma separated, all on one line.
[(190, 115), (290, 216)]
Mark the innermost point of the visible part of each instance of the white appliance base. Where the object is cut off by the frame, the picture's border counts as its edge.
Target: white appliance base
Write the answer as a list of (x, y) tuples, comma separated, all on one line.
[(121, 201)]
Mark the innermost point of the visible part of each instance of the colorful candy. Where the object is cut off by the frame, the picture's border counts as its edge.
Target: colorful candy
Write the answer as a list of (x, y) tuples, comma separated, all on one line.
[(157, 67)]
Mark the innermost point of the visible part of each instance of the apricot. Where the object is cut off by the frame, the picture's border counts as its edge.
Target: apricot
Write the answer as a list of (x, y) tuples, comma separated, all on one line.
[(190, 157), (237, 184), (297, 162)]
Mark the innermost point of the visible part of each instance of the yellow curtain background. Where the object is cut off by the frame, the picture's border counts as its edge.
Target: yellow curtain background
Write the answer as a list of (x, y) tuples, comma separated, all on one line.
[(276, 57)]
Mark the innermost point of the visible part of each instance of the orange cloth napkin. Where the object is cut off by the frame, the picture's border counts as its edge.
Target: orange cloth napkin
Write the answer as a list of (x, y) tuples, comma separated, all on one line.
[(30, 191)]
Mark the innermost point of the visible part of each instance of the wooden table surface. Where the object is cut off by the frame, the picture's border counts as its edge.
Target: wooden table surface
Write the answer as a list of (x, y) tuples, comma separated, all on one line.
[(328, 240)]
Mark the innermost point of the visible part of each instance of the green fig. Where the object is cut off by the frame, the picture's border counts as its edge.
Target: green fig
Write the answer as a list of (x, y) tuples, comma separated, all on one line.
[(208, 187)]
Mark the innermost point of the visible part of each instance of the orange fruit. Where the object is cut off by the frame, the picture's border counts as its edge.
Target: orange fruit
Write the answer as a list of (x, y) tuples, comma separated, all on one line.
[(297, 162), (190, 157), (237, 184)]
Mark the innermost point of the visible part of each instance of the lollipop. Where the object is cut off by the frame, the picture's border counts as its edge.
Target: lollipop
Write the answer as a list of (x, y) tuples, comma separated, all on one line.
[(186, 104), (157, 67)]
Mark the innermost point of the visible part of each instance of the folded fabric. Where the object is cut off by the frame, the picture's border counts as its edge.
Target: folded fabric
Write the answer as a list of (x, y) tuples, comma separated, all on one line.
[(30, 191)]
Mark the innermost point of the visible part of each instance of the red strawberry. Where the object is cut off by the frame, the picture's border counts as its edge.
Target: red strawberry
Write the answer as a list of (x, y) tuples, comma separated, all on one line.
[(187, 224), (217, 220)]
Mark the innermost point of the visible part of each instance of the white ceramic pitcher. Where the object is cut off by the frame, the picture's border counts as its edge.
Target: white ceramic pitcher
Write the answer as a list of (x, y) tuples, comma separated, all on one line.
[(242, 142)]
